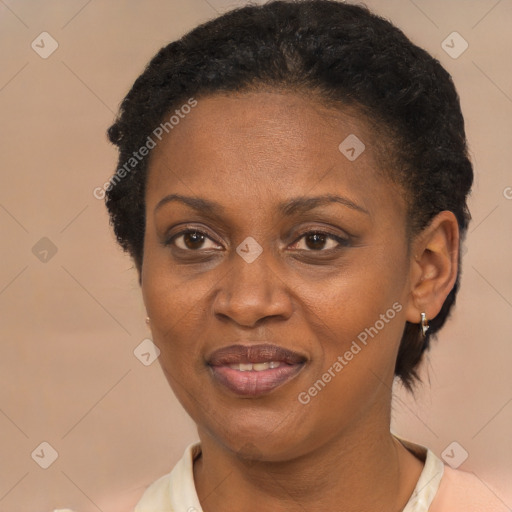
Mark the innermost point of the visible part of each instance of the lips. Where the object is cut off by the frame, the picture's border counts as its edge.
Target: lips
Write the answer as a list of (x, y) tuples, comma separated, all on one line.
[(254, 370)]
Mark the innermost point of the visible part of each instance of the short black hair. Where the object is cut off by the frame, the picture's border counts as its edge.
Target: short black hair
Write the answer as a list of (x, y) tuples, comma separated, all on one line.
[(346, 55)]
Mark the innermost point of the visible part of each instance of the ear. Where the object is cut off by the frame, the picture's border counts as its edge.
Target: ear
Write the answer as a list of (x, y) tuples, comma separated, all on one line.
[(433, 266)]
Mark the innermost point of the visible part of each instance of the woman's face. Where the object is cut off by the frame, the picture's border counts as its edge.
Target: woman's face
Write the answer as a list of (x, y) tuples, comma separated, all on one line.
[(279, 313)]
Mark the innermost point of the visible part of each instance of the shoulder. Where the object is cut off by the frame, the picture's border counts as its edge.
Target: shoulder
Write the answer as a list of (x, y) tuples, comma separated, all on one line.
[(460, 491), (157, 496), (441, 488), (175, 490)]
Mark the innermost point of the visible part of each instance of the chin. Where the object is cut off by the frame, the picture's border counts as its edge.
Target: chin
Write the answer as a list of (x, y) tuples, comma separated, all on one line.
[(261, 441)]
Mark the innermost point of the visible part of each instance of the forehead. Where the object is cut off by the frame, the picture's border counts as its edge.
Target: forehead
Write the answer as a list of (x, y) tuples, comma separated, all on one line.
[(260, 146)]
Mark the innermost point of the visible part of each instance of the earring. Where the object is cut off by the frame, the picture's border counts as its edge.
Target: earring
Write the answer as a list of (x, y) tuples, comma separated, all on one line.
[(424, 324), (147, 319)]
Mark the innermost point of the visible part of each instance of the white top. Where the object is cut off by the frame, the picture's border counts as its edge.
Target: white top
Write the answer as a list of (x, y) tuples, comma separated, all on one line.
[(176, 492), (439, 488)]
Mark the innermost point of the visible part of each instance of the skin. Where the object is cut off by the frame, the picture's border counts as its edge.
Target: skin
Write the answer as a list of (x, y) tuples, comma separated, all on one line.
[(249, 153)]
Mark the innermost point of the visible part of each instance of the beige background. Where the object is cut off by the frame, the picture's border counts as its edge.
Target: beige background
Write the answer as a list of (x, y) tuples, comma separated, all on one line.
[(69, 325)]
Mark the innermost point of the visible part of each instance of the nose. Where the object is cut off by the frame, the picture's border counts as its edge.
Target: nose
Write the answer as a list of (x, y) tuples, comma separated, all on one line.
[(251, 292)]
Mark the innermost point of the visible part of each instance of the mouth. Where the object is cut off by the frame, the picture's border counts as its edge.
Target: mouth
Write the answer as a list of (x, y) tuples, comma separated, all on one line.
[(254, 370)]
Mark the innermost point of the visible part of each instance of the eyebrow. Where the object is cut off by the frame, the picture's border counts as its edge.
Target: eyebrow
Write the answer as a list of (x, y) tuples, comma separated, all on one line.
[(303, 204), (287, 208)]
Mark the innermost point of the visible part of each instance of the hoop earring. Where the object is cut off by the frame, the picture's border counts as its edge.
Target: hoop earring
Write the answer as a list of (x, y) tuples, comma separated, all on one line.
[(424, 325)]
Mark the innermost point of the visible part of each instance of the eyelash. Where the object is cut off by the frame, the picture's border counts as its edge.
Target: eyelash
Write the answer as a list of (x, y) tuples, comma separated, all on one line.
[(343, 242)]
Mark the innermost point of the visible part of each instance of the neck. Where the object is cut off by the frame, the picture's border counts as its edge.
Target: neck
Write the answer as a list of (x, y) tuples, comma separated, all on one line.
[(364, 469)]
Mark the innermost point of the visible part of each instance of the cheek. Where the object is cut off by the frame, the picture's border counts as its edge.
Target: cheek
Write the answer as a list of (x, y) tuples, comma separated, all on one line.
[(358, 318), (359, 338), (173, 298), (175, 307), (354, 298), (177, 315)]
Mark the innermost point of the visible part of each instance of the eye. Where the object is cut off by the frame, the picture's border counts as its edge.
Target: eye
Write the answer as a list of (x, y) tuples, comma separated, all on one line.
[(316, 240), (191, 240)]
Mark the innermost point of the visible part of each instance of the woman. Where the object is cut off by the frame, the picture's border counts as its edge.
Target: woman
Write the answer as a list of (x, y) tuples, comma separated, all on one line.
[(292, 188)]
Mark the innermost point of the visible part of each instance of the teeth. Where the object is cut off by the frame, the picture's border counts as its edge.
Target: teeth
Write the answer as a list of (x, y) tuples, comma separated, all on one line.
[(260, 366), (257, 367)]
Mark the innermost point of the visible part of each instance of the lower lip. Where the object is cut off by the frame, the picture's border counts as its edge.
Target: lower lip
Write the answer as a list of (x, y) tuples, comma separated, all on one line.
[(253, 383)]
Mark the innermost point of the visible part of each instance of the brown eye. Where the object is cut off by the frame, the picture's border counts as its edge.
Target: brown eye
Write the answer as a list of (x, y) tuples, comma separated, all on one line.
[(317, 240), (191, 240)]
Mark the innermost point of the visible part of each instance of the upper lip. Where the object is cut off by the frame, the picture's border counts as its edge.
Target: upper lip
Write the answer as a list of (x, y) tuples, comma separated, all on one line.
[(260, 353)]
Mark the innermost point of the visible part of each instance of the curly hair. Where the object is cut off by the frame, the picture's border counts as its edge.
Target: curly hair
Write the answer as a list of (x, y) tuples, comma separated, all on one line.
[(343, 54)]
